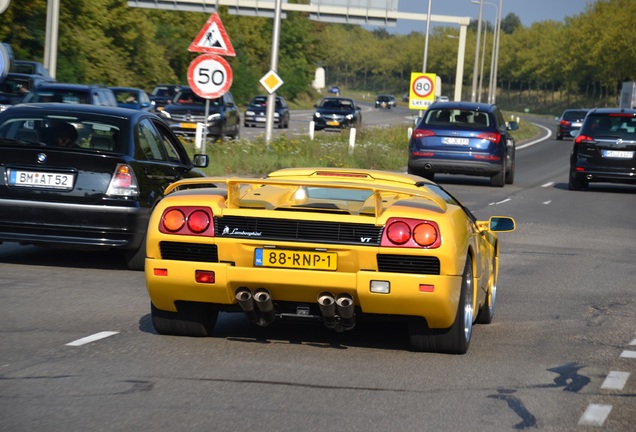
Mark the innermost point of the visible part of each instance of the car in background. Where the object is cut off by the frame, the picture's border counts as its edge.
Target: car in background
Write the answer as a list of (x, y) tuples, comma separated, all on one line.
[(406, 97), (385, 101), (570, 120), (256, 112), (187, 109), (15, 87), (334, 90), (72, 94), (32, 68), (86, 177), (463, 138), (162, 94), (604, 149), (442, 99), (326, 245), (133, 98), (337, 113)]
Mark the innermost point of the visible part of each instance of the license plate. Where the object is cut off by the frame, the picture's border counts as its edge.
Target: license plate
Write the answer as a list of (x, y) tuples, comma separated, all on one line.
[(40, 179), (189, 125), (619, 154), (577, 124), (260, 119), (310, 260), (455, 141), (333, 123)]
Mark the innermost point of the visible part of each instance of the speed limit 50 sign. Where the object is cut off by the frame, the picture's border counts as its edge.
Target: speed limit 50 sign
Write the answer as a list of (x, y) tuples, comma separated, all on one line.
[(210, 76), (422, 92)]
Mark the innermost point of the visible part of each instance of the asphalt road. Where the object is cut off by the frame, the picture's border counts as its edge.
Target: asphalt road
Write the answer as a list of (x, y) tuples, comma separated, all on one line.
[(555, 357)]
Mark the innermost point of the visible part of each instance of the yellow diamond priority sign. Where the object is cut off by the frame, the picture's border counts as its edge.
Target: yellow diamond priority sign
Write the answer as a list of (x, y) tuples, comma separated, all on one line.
[(271, 81)]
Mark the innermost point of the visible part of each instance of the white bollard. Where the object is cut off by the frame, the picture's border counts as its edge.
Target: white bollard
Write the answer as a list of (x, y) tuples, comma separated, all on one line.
[(409, 133), (352, 140), (198, 136), (311, 130)]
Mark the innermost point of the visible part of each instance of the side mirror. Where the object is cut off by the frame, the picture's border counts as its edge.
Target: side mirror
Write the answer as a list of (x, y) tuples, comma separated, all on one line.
[(513, 126), (200, 160), (501, 224)]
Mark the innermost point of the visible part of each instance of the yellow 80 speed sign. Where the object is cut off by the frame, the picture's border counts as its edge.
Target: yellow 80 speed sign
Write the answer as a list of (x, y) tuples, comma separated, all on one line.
[(210, 76)]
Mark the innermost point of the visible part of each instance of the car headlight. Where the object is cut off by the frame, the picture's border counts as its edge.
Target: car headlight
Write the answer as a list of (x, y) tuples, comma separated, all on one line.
[(349, 116), (164, 114), (317, 115), (249, 112), (214, 117)]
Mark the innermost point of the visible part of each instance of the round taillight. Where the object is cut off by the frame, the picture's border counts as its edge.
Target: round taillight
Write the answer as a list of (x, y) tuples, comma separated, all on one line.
[(198, 221), (173, 220), (425, 234), (398, 233)]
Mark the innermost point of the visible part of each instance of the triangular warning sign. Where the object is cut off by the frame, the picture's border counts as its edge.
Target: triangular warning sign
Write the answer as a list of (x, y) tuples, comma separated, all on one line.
[(212, 38)]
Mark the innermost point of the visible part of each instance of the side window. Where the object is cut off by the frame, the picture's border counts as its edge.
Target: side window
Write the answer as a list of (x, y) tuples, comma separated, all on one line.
[(150, 141), (499, 118)]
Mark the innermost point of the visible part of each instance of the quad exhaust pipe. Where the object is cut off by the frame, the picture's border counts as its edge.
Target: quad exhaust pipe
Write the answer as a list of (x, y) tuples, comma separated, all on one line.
[(342, 304), (338, 312)]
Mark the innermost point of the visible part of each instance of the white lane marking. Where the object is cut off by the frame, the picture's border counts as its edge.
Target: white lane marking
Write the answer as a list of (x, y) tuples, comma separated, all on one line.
[(633, 342), (595, 415), (548, 184), (543, 138), (615, 380), (547, 202), (500, 202), (628, 354), (92, 338)]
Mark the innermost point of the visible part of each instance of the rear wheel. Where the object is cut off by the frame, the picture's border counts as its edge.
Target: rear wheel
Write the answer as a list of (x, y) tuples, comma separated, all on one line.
[(510, 175), (191, 319), (456, 339), (576, 183), (136, 259), (498, 179)]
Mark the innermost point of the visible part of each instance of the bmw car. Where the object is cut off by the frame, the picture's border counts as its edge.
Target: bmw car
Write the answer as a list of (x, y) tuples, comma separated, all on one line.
[(337, 113), (323, 245), (604, 150), (463, 138), (86, 177)]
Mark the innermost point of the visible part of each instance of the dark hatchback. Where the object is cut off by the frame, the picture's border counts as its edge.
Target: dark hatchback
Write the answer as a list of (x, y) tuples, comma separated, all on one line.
[(16, 86), (604, 149), (70, 93), (463, 138), (86, 177), (570, 120), (187, 109), (337, 113), (256, 112)]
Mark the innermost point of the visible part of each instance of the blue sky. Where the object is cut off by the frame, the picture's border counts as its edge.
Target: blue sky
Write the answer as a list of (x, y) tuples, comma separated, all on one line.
[(528, 11)]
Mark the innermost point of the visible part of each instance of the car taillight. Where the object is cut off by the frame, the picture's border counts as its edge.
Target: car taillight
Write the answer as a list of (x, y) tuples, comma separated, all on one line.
[(412, 233), (490, 136), (422, 133), (580, 138), (565, 123), (187, 220), (123, 182)]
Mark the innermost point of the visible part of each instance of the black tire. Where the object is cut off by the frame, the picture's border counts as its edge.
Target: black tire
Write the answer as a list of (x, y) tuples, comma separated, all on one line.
[(136, 259), (510, 175), (487, 310), (427, 175), (192, 319), (575, 183), (559, 137), (498, 180), (456, 339)]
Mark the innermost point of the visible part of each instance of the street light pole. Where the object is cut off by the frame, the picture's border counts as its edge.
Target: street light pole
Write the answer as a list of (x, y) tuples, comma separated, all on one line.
[(492, 57), (473, 96), (493, 96)]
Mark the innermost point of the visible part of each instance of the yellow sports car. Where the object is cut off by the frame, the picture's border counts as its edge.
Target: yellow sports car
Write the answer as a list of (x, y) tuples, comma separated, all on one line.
[(324, 244)]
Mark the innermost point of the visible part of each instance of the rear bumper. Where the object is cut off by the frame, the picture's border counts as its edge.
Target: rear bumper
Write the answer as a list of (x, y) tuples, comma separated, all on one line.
[(72, 225), (453, 166), (176, 282), (597, 174)]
